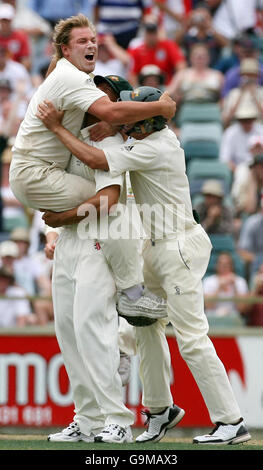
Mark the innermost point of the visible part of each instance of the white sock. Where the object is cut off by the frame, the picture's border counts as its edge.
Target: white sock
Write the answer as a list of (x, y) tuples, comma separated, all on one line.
[(134, 292)]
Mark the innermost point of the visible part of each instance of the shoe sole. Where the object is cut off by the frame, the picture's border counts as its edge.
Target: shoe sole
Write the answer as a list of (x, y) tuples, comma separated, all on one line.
[(135, 313), (71, 440), (100, 439), (173, 423), (131, 310), (236, 440), (63, 440)]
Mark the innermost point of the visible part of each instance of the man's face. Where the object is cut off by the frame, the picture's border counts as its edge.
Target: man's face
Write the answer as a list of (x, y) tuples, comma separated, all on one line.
[(82, 49), (247, 124), (104, 86), (151, 38)]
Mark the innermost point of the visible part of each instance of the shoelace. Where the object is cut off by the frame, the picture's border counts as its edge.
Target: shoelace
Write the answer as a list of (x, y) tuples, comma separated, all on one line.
[(114, 427), (148, 417), (72, 427)]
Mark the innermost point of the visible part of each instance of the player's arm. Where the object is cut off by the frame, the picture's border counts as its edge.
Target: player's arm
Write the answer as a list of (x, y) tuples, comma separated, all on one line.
[(130, 111), (100, 204), (91, 156)]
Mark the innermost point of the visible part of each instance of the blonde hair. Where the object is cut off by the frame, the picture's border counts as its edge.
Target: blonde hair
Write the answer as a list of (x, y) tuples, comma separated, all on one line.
[(63, 30)]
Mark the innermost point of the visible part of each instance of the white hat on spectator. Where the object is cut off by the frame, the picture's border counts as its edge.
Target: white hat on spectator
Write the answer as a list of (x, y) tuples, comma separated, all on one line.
[(7, 12), (20, 234), (249, 66), (246, 110), (213, 187), (9, 248)]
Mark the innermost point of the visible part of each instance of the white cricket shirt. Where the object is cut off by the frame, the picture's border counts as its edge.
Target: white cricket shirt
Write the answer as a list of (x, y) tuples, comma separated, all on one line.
[(69, 90), (159, 182)]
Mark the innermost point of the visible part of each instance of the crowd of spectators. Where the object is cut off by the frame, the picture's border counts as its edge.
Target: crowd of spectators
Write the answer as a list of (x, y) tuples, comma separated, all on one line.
[(203, 53)]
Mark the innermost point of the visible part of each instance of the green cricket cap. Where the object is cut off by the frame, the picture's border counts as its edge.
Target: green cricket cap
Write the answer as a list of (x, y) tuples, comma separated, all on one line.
[(116, 82)]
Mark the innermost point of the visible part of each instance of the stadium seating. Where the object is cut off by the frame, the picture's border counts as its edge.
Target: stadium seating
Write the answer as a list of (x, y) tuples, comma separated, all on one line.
[(204, 132), (199, 170), (199, 112), (225, 243), (201, 140)]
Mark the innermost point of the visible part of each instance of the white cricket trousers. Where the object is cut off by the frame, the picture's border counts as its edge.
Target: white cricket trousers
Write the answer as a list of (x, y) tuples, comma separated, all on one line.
[(86, 324), (174, 268), (48, 186)]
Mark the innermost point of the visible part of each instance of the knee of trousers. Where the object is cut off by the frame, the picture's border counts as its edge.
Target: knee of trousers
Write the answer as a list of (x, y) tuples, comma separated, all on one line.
[(194, 347)]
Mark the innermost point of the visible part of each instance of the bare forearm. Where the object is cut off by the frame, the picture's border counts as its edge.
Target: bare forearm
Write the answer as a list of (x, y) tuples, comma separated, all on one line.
[(91, 156), (127, 112), (96, 206)]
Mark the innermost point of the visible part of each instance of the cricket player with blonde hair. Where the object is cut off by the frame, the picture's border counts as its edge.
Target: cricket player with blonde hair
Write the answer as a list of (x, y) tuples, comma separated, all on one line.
[(38, 175)]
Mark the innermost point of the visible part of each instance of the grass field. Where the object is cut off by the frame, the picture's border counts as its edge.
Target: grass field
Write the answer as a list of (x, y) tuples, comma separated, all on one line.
[(172, 441)]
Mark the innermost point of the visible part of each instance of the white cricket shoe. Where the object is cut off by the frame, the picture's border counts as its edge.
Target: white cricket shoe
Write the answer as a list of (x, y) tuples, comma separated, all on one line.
[(159, 423), (124, 368), (143, 311), (225, 434), (114, 434), (71, 434)]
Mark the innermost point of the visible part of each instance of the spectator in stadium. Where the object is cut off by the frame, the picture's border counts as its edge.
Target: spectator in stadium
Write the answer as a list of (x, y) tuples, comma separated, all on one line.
[(248, 181), (112, 58), (215, 216), (249, 93), (37, 29), (17, 41), (243, 47), (198, 82), (231, 18), (164, 53), (250, 243), (8, 255), (234, 148), (224, 284), (254, 313), (13, 212), (30, 273), (13, 71), (171, 14), (198, 28), (13, 312), (121, 21), (53, 11), (151, 75)]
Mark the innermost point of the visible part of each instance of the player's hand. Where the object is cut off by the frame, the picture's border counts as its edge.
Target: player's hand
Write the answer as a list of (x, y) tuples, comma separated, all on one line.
[(170, 106), (101, 130), (50, 250), (49, 115), (53, 219)]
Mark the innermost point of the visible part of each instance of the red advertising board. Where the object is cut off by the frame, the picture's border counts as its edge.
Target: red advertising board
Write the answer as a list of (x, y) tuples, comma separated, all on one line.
[(35, 391)]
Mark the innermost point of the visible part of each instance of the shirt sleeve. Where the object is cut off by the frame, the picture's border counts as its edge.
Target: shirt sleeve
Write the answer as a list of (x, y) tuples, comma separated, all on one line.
[(241, 285), (246, 237), (225, 154), (80, 94), (130, 157), (104, 179), (22, 306)]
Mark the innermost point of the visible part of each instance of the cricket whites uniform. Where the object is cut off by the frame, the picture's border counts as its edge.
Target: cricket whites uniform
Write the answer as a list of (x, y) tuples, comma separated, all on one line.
[(38, 176), (86, 321), (176, 256)]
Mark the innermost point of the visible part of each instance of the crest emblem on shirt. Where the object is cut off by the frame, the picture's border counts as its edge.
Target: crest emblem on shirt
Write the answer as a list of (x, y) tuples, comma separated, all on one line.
[(161, 54)]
